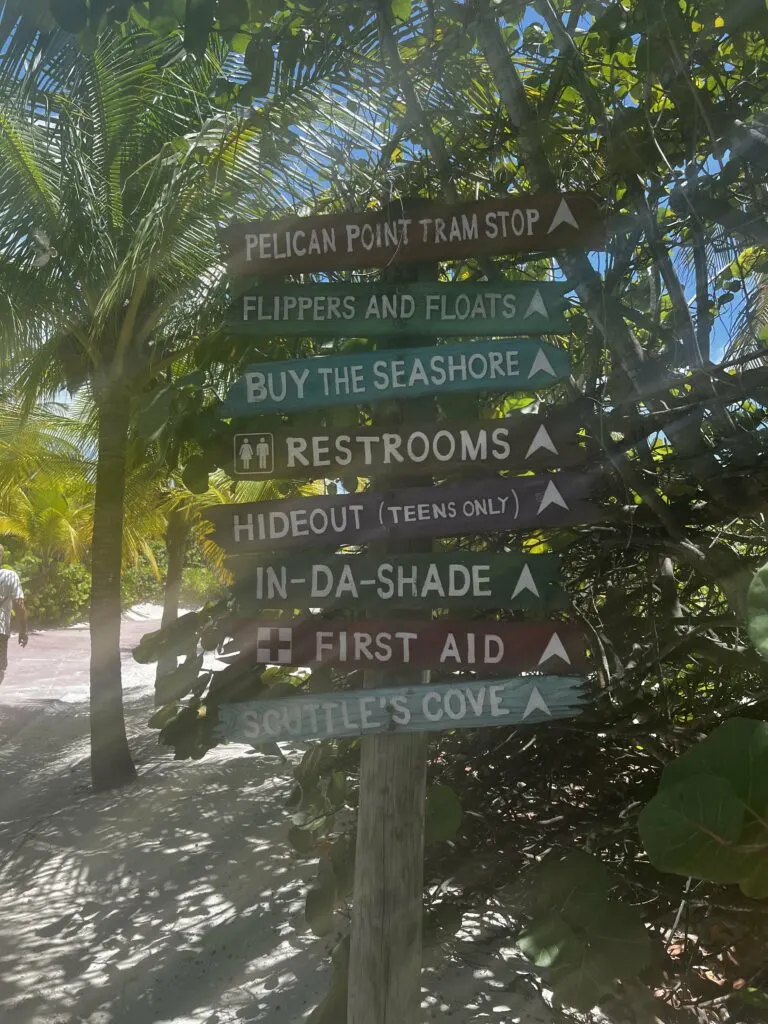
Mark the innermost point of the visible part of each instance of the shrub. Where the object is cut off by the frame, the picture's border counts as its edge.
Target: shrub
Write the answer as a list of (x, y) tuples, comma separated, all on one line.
[(55, 596), (139, 584), (198, 585)]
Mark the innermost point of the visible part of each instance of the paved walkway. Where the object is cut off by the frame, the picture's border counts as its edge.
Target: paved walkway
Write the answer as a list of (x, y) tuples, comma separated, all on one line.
[(177, 900)]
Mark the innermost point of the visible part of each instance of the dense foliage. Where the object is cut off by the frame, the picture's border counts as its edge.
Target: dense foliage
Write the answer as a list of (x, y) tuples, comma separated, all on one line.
[(658, 108)]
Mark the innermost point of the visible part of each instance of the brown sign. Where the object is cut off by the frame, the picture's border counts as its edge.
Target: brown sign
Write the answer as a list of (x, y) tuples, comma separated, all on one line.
[(476, 506), (427, 232), (520, 442), (552, 647)]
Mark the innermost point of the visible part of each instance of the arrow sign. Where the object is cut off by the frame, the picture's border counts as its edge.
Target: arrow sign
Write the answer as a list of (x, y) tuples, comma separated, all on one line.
[(461, 704), (512, 503), (377, 310), (426, 232), (518, 646), (521, 364), (536, 703), (443, 580), (520, 442)]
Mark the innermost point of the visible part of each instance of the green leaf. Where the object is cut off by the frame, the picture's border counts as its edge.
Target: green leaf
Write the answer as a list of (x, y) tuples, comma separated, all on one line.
[(337, 788), (401, 10), (153, 418), (736, 751), (443, 814), (260, 61), (560, 883), (71, 15), (175, 638), (692, 827), (198, 25), (585, 952), (301, 839), (233, 14), (318, 910), (757, 611), (195, 475), (755, 885), (178, 683), (163, 715), (543, 942)]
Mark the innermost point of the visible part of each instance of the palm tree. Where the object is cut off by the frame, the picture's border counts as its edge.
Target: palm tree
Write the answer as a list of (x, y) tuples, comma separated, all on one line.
[(117, 170), (109, 267)]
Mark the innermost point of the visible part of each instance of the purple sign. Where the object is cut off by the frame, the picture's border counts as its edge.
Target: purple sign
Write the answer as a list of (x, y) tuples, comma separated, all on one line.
[(511, 503)]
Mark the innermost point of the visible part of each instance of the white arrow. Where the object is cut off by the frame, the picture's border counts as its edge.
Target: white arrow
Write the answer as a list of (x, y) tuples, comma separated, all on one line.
[(563, 216), (541, 365), (536, 305), (541, 439), (536, 703), (551, 496), (526, 582), (555, 649)]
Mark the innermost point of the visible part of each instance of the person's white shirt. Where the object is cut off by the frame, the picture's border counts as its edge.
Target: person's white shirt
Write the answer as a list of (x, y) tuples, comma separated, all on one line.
[(10, 591)]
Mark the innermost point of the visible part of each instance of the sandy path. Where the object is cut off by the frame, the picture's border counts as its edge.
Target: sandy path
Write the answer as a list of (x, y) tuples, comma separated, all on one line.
[(176, 901)]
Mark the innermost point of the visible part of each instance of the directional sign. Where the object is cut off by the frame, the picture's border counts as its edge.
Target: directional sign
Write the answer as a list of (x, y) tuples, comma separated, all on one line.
[(427, 232), (522, 364), (455, 705), (520, 442), (511, 503), (378, 310), (554, 647), (446, 579)]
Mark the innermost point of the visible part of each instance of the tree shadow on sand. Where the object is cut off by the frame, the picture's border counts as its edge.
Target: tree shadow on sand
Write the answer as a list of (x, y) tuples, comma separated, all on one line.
[(177, 899)]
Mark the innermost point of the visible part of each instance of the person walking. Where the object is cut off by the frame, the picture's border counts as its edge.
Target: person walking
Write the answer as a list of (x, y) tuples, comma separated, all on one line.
[(11, 600)]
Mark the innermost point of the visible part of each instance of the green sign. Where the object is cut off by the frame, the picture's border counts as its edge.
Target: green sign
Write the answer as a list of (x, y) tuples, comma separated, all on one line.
[(377, 310), (460, 704), (521, 364), (446, 579)]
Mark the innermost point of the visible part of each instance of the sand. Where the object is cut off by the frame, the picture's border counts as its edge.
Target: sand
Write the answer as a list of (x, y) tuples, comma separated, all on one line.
[(176, 900)]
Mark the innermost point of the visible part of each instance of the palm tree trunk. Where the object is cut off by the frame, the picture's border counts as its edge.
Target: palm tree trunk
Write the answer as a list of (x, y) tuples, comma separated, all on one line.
[(176, 536), (111, 762)]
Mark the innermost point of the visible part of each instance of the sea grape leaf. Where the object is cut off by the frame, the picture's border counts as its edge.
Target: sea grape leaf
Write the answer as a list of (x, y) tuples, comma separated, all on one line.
[(757, 611), (318, 910), (595, 942), (736, 751), (692, 828), (71, 15), (176, 684), (175, 638), (564, 883), (198, 25), (301, 839), (260, 61)]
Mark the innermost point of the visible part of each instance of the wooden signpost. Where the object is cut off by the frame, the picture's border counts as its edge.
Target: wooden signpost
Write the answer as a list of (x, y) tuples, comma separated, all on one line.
[(386, 921), (523, 364), (449, 579), (520, 442), (426, 232), (455, 705), (516, 646), (380, 310), (511, 503)]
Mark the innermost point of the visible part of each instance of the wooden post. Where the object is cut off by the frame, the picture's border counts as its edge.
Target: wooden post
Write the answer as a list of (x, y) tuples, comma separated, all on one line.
[(385, 952), (386, 938)]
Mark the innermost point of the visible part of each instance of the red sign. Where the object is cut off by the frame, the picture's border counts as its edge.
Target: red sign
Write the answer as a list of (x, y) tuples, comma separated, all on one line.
[(552, 647)]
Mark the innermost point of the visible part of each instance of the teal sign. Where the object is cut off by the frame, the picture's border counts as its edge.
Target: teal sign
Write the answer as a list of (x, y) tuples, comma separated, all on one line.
[(376, 310), (462, 704), (521, 364)]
